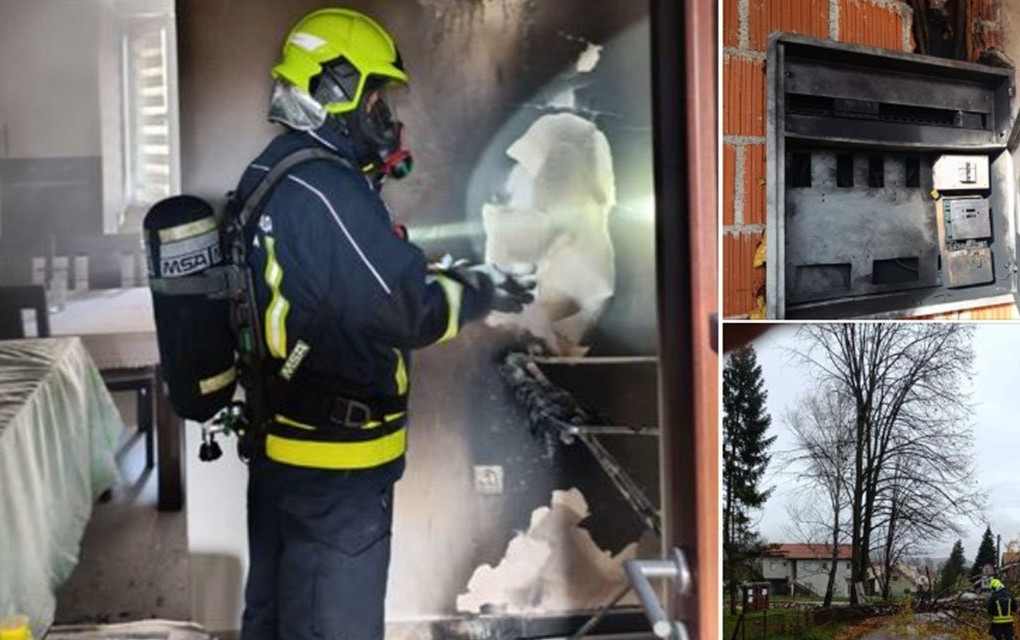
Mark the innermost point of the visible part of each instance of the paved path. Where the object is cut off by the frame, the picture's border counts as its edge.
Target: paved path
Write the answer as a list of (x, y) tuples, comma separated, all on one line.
[(888, 633)]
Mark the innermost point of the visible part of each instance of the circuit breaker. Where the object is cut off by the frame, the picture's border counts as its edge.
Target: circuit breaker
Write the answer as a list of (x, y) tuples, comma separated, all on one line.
[(890, 185)]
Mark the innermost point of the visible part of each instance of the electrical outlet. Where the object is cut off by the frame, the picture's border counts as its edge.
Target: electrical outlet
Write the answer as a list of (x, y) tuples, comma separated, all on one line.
[(489, 479)]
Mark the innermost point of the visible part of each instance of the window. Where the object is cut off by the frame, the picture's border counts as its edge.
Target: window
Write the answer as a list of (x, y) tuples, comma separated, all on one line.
[(138, 109), (147, 114), (825, 566), (772, 566), (149, 166)]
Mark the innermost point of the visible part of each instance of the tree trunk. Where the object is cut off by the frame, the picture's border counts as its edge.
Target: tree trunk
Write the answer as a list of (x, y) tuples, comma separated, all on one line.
[(866, 526), (890, 540), (856, 511), (730, 570), (835, 562)]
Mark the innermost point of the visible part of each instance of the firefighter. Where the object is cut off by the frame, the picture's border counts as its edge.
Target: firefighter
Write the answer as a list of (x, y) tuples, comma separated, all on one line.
[(1001, 608), (343, 297)]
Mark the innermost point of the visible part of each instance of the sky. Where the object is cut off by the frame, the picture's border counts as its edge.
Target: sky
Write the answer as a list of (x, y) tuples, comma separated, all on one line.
[(996, 429)]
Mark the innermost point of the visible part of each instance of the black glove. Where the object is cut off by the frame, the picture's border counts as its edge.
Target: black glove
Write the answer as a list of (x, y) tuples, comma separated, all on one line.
[(510, 291)]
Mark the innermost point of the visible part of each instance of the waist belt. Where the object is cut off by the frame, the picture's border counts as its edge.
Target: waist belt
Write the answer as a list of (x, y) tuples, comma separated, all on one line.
[(1002, 619), (332, 410), (327, 430)]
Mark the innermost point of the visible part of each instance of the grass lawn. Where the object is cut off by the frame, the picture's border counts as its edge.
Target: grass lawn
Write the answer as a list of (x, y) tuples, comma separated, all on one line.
[(781, 598), (781, 624)]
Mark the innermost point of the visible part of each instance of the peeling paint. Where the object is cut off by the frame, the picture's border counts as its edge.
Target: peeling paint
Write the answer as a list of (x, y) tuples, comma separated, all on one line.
[(555, 216), (589, 58), (565, 99), (554, 566)]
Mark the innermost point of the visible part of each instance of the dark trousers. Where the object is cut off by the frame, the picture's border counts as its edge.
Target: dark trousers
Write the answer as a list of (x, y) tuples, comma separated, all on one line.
[(319, 551), (1002, 631)]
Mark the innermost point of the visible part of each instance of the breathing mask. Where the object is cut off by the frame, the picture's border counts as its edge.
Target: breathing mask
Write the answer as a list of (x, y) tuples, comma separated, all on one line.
[(372, 126), (375, 123)]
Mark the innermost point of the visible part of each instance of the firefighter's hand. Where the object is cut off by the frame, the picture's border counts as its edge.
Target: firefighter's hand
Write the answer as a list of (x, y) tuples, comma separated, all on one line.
[(512, 287)]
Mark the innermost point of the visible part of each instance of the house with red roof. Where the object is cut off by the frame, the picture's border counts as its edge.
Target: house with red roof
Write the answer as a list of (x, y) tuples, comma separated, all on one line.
[(805, 567)]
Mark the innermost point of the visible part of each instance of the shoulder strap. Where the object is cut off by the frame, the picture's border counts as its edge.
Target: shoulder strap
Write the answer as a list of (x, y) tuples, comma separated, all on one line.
[(246, 218), (226, 281)]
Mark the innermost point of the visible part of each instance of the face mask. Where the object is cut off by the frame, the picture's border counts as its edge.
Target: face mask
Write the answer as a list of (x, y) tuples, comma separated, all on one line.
[(380, 126)]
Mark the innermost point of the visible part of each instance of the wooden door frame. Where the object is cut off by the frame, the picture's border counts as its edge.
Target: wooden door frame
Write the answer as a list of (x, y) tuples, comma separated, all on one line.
[(685, 67)]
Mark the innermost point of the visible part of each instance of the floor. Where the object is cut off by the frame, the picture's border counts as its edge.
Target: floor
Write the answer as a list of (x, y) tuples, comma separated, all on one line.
[(134, 559)]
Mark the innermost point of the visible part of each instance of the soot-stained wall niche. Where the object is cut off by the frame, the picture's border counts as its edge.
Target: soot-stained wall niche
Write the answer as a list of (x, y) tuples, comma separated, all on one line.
[(879, 166), (531, 128)]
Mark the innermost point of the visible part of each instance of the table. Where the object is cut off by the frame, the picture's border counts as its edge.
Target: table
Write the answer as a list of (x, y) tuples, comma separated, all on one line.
[(105, 311), (59, 431), (117, 327)]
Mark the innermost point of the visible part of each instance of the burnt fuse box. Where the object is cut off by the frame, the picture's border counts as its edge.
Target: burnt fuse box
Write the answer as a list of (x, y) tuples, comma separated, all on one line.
[(890, 187), (966, 228), (964, 221)]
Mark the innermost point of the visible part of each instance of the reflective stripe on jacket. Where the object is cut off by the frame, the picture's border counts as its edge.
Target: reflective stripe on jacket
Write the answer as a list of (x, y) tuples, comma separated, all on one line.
[(1001, 607)]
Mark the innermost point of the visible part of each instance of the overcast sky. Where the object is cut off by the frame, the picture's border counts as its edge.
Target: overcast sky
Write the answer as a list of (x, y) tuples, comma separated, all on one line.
[(996, 422)]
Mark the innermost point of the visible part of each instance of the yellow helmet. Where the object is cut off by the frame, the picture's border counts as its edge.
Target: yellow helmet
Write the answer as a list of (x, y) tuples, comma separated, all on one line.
[(995, 584), (349, 47)]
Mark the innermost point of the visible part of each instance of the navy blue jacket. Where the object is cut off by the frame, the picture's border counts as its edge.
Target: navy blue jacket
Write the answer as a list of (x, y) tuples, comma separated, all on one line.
[(1001, 601), (331, 271)]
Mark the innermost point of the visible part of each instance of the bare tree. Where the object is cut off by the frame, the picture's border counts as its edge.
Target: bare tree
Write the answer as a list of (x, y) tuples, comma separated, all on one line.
[(822, 425), (906, 384), (926, 494)]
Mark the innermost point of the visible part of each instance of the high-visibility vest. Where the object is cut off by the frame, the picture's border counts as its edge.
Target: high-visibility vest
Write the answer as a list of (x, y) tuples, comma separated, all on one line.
[(1003, 617)]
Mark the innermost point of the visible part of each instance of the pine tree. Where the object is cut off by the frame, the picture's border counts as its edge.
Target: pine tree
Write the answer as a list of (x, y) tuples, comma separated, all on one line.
[(952, 571), (985, 554), (745, 457)]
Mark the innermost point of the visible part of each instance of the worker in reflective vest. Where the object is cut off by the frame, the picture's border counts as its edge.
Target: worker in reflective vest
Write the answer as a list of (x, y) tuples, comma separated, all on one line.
[(344, 298), (1001, 607)]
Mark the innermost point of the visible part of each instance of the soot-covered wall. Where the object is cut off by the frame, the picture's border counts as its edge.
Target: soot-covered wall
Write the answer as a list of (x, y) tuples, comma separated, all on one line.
[(531, 128)]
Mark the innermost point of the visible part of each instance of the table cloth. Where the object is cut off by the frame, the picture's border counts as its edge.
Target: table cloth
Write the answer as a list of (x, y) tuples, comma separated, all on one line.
[(59, 431)]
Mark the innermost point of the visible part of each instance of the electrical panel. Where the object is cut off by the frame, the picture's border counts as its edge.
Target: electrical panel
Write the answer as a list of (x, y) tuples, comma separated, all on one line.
[(890, 185)]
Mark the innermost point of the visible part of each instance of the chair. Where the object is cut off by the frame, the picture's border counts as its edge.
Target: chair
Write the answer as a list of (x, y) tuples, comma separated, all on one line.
[(81, 273), (15, 299), (143, 382)]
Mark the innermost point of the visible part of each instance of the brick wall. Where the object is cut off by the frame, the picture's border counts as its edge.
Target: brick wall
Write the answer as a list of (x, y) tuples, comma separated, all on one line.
[(987, 27), (746, 27)]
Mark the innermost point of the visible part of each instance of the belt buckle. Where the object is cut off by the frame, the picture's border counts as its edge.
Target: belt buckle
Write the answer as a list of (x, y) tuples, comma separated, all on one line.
[(355, 414)]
